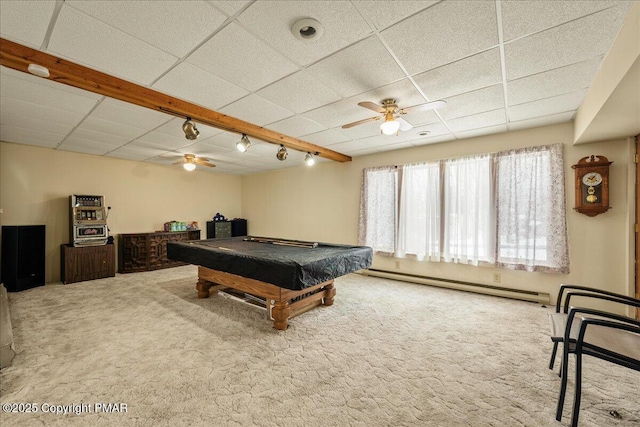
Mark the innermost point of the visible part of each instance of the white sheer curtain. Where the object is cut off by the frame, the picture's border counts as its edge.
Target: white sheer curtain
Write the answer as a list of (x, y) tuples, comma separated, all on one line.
[(531, 225), (469, 225), (378, 209), (419, 213)]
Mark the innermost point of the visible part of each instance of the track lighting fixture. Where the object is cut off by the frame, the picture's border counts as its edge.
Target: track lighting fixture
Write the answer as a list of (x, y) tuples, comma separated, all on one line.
[(282, 153), (244, 143), (309, 159), (189, 129)]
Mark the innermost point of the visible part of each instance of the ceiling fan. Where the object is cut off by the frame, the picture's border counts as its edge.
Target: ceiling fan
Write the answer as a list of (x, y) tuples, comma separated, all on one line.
[(189, 162), (389, 111)]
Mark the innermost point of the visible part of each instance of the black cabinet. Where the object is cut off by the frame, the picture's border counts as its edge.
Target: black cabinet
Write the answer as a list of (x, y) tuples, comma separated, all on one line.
[(221, 229), (23, 255)]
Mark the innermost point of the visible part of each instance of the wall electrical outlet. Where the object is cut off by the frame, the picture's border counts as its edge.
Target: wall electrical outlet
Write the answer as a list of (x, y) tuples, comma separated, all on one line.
[(397, 265), (496, 278)]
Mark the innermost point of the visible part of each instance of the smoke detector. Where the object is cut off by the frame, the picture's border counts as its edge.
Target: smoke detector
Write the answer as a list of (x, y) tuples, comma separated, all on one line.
[(38, 70), (307, 29)]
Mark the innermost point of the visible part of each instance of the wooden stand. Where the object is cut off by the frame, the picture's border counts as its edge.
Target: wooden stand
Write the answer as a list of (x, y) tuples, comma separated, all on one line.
[(282, 303), (87, 263), (148, 251)]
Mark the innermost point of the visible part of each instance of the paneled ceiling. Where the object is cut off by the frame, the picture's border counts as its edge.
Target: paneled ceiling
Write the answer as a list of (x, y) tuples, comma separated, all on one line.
[(499, 65)]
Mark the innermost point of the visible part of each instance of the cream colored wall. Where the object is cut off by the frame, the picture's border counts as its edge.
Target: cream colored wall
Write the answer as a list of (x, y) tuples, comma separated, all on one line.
[(35, 184), (322, 204)]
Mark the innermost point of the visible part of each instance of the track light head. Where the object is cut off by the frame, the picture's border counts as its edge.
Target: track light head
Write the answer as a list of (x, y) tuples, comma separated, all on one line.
[(309, 159), (190, 130), (244, 143), (282, 153)]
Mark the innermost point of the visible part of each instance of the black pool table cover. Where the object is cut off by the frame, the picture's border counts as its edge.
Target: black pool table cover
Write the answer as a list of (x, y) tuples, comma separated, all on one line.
[(289, 267)]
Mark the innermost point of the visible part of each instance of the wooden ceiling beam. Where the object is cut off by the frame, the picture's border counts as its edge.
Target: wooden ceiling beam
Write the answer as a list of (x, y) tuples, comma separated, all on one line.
[(18, 57)]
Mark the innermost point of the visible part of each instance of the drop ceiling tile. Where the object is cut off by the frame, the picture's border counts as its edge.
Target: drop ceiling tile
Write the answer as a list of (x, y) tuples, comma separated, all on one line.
[(127, 114), (296, 126), (476, 121), (433, 140), (164, 23), (45, 95), (83, 146), (350, 146), (478, 101), (365, 130), (382, 14), (380, 140), (520, 18), (28, 109), (223, 141), (256, 110), (325, 138), (573, 42), (29, 136), (25, 22), (241, 58), (110, 128), (134, 153), (299, 92), (447, 32), (160, 141), (97, 45), (544, 107), (481, 132), (98, 137), (435, 129), (542, 121), (362, 152), (554, 82), (359, 68), (272, 21), (465, 75), (10, 118), (192, 84), (393, 146), (229, 7)]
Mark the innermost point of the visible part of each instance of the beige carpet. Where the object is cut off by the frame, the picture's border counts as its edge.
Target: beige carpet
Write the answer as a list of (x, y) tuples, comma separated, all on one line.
[(386, 354)]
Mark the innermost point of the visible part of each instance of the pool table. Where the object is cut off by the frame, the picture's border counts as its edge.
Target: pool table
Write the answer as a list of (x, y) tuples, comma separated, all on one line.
[(291, 276)]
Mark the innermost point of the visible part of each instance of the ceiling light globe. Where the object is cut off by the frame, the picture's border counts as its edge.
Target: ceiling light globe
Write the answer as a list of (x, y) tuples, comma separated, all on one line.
[(189, 166), (309, 160), (390, 127)]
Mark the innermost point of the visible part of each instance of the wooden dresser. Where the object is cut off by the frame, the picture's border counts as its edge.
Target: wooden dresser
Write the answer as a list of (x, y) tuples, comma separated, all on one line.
[(148, 251)]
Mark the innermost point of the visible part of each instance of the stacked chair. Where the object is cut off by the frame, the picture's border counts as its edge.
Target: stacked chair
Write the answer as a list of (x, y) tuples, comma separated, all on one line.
[(583, 330)]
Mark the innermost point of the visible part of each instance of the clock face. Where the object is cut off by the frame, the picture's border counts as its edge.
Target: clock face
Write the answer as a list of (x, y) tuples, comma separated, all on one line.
[(592, 179)]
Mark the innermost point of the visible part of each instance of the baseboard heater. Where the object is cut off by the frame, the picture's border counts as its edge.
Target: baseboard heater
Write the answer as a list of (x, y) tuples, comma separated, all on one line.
[(539, 297)]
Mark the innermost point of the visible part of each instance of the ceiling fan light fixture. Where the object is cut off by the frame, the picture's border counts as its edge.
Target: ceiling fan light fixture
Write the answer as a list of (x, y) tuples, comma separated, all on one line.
[(282, 153), (190, 130), (189, 166), (390, 126), (309, 159), (244, 143)]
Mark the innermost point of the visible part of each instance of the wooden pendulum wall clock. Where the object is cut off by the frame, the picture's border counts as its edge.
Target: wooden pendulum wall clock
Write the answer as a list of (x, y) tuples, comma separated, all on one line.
[(592, 185)]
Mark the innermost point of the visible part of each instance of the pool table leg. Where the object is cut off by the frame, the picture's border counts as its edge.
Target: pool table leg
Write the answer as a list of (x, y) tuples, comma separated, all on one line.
[(329, 294), (280, 313), (203, 287)]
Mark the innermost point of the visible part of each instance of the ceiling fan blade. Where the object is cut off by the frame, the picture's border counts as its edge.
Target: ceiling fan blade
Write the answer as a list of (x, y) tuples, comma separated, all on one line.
[(422, 107), (404, 125), (204, 162), (372, 106), (359, 122), (179, 162)]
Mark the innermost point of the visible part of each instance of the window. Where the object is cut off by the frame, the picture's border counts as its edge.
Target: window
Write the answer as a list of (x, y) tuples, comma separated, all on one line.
[(505, 209)]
